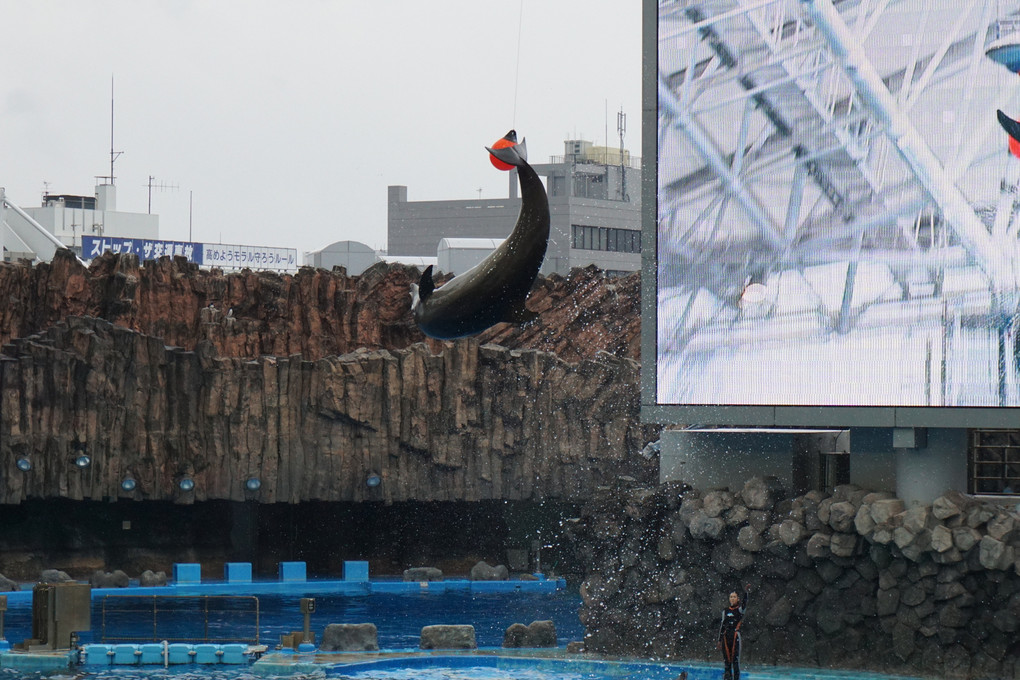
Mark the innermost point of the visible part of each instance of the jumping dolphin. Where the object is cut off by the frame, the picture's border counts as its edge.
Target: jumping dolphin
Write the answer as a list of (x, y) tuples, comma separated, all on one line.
[(494, 290)]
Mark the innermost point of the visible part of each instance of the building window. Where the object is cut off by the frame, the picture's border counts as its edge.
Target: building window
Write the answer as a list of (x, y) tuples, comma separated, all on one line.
[(993, 464), (605, 238), (590, 186)]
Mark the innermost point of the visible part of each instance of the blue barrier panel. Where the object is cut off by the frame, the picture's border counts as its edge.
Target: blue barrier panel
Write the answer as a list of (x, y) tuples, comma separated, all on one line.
[(355, 571), (100, 655), (180, 653), (124, 655), (237, 572), (152, 653), (234, 653), (187, 572), (207, 653), (292, 571)]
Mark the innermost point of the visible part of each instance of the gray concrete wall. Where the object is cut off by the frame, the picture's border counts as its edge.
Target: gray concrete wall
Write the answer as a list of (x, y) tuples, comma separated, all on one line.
[(920, 474), (416, 227), (715, 460), (722, 458)]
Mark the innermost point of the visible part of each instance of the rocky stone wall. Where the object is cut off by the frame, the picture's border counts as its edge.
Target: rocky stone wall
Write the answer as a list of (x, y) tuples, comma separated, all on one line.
[(314, 312), (478, 421), (853, 579)]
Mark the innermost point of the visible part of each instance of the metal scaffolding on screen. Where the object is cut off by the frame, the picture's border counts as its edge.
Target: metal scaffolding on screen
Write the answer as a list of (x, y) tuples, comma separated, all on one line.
[(830, 172)]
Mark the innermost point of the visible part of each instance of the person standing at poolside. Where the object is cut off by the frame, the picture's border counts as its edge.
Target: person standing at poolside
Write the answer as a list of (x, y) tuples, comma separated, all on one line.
[(729, 633)]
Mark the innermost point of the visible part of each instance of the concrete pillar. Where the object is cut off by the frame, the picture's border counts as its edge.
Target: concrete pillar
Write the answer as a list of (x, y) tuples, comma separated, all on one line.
[(923, 474), (872, 461), (244, 531)]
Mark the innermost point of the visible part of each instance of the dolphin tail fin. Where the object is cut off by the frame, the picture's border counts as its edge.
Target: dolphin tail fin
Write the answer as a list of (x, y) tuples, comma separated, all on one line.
[(1012, 127), (425, 284), (515, 155), (519, 314)]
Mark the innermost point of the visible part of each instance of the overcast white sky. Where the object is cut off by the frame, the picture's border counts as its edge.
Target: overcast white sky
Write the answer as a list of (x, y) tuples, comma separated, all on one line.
[(288, 120)]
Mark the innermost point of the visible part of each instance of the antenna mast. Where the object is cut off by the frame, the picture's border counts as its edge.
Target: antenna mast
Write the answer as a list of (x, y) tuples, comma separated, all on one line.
[(159, 186), (621, 126), (113, 154)]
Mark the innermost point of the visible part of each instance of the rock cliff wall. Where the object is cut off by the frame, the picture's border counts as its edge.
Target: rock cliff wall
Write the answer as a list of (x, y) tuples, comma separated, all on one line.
[(853, 580), (474, 422), (314, 313)]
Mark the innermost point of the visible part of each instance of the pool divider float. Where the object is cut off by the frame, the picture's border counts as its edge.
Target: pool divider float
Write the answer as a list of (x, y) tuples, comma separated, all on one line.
[(168, 654)]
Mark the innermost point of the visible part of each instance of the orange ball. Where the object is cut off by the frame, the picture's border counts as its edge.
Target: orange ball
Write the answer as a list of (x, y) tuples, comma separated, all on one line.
[(501, 143)]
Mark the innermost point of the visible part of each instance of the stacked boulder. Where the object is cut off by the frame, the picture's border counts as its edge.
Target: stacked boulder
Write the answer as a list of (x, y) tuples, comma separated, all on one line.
[(446, 636), (108, 579), (149, 578), (54, 576), (483, 571), (853, 579), (423, 574), (350, 637), (536, 634)]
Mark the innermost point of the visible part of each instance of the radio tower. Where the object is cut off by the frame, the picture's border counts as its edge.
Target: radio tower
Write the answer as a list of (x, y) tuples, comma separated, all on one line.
[(114, 155)]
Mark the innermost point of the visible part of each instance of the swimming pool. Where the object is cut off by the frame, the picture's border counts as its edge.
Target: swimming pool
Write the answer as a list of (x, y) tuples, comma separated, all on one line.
[(399, 618), (469, 667)]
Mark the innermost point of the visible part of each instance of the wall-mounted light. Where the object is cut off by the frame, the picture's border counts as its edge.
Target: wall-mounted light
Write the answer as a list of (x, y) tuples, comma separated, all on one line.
[(83, 460), (373, 480), (24, 464), (186, 484), (128, 483), (253, 484)]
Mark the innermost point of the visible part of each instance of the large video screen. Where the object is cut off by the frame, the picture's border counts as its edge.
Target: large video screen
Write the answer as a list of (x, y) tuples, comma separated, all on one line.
[(833, 233)]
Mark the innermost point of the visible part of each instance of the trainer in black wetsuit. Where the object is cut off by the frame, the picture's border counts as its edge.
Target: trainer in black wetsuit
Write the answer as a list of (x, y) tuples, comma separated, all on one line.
[(729, 634)]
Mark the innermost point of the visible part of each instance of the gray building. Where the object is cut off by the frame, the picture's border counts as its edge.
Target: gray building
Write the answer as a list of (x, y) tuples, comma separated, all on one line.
[(594, 205)]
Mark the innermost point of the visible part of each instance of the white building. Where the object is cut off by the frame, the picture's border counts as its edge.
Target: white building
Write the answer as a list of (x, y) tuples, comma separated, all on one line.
[(68, 218), (457, 255), (353, 256)]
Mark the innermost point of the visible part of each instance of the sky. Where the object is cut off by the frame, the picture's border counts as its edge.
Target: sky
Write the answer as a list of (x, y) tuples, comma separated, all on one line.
[(283, 123)]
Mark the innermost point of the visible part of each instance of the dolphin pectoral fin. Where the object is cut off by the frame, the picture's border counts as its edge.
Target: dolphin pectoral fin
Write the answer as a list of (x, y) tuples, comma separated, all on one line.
[(519, 314), (1012, 127)]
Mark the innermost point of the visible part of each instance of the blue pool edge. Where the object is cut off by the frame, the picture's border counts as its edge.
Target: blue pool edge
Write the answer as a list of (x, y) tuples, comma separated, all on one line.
[(338, 587)]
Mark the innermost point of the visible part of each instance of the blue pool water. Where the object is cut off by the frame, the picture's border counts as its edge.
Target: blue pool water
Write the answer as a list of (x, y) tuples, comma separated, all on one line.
[(398, 617), (464, 668)]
